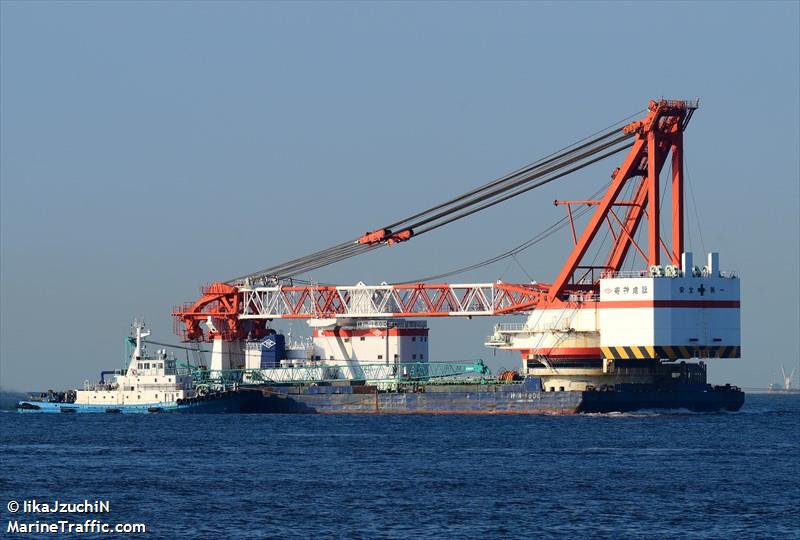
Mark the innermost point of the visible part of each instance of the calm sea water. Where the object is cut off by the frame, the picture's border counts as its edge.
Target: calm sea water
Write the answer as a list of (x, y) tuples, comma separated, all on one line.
[(645, 475)]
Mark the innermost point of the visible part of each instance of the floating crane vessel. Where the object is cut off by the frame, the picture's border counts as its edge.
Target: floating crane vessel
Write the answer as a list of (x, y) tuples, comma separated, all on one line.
[(786, 387), (597, 338)]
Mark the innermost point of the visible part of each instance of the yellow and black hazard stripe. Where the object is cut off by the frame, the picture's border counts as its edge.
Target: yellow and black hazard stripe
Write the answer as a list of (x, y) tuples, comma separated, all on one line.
[(625, 352), (632, 352)]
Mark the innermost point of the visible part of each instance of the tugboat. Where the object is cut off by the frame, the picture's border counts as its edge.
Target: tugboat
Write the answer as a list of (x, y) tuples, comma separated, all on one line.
[(149, 384)]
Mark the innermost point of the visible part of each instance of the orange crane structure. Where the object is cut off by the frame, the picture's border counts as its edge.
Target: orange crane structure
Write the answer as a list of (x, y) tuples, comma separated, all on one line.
[(593, 326), (243, 306)]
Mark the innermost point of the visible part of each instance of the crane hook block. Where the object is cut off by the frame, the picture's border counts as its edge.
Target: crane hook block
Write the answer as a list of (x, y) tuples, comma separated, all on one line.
[(401, 236), (374, 237)]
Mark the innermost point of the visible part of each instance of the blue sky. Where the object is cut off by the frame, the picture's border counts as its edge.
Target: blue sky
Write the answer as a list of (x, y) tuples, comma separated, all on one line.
[(148, 148)]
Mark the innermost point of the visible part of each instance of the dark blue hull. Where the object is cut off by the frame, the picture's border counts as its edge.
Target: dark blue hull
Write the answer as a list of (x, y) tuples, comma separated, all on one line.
[(433, 399), (491, 399), (282, 400), (722, 399)]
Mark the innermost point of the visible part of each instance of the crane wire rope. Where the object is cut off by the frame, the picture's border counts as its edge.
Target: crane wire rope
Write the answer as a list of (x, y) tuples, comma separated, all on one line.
[(343, 251), (694, 204), (539, 237), (609, 130), (332, 256), (475, 200)]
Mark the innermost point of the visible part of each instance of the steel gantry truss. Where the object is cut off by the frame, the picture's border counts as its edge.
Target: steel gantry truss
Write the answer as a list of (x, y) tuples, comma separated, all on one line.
[(237, 312), (380, 301), (239, 308)]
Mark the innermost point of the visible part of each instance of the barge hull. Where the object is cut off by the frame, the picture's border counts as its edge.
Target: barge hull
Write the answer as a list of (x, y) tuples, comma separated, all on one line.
[(424, 403), (553, 403), (304, 400), (730, 400)]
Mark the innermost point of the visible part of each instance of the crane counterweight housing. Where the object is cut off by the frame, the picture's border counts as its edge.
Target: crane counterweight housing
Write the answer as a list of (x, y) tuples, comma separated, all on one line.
[(678, 316)]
